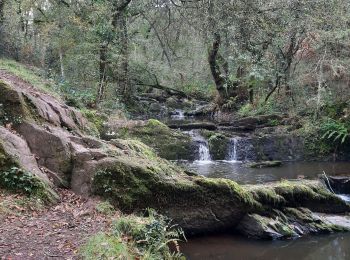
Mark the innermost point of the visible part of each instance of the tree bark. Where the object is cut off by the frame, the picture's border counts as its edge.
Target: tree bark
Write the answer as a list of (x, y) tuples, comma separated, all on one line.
[(102, 73), (120, 25)]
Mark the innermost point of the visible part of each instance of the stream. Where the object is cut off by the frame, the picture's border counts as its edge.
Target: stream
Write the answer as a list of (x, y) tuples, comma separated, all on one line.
[(224, 247), (232, 247), (235, 167)]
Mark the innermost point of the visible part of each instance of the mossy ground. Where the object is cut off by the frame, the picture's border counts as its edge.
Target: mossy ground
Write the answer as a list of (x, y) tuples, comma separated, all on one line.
[(30, 74)]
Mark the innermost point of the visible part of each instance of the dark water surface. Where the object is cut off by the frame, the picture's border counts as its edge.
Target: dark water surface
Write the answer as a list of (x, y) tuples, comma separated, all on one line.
[(244, 175), (325, 247), (225, 247)]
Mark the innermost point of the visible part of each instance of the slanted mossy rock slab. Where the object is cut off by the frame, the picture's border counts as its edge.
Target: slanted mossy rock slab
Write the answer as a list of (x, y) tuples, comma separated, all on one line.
[(198, 204), (167, 143), (286, 223), (299, 193)]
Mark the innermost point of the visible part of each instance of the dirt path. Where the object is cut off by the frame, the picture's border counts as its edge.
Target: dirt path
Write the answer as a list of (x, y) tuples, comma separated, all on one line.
[(53, 233)]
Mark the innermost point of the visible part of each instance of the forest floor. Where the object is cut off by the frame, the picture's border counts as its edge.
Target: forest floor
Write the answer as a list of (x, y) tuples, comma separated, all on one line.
[(56, 232)]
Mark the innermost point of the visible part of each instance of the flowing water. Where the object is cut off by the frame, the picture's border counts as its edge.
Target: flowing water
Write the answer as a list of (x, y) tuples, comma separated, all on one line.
[(203, 147)]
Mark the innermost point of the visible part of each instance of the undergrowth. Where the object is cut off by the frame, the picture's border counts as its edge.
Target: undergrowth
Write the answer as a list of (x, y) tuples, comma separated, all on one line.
[(134, 237)]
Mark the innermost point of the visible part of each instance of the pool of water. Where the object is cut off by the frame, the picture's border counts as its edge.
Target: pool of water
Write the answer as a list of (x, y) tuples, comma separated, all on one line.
[(325, 247), (231, 247), (242, 174)]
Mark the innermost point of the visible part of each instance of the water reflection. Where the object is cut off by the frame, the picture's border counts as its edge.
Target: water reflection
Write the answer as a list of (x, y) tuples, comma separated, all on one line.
[(245, 175), (332, 247)]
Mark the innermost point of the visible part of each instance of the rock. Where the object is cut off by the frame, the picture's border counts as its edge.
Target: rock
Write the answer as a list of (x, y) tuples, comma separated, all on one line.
[(14, 152), (288, 223), (202, 110), (265, 164), (132, 176), (339, 184), (191, 126), (218, 144), (167, 143)]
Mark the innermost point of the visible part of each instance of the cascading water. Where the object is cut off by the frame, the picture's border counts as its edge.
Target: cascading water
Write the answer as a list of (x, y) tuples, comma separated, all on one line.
[(178, 115), (203, 147), (241, 149), (232, 153)]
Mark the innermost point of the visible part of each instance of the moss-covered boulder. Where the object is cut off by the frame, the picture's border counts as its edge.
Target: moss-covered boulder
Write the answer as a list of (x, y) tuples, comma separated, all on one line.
[(286, 223), (219, 144), (202, 204), (265, 164), (167, 143), (196, 203)]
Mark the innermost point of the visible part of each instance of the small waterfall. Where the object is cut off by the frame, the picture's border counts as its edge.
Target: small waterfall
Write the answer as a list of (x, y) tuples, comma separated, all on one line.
[(203, 147), (241, 149), (178, 115), (232, 153), (203, 151)]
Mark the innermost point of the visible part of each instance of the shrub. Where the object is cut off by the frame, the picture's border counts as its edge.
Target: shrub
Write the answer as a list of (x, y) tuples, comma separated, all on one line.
[(334, 130), (134, 237)]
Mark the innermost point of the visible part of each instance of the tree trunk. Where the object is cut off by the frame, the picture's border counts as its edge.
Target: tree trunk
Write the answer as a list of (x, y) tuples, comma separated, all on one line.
[(61, 64), (102, 72), (2, 4), (120, 25), (215, 68)]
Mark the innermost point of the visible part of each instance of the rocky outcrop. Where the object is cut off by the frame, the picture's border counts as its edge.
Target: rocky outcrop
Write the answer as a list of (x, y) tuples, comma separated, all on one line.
[(168, 143), (48, 140), (338, 184), (191, 126), (287, 223), (19, 169)]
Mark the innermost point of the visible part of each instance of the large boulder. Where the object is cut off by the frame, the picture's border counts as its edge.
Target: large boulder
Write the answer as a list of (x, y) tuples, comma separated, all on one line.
[(19, 170), (168, 143)]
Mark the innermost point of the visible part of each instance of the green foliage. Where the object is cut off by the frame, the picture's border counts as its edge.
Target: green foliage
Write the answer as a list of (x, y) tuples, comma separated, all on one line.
[(6, 117), (15, 179), (78, 98), (136, 237), (105, 208), (335, 131), (95, 117), (200, 90), (32, 75), (259, 109), (104, 247)]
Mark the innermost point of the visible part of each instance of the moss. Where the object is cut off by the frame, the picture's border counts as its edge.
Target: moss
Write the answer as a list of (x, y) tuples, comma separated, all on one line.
[(105, 208), (12, 109), (97, 119), (135, 148), (268, 196), (218, 146), (265, 164), (228, 187), (15, 179), (167, 143)]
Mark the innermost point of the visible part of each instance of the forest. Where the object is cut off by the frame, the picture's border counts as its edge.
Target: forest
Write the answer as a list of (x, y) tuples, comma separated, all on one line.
[(174, 129)]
